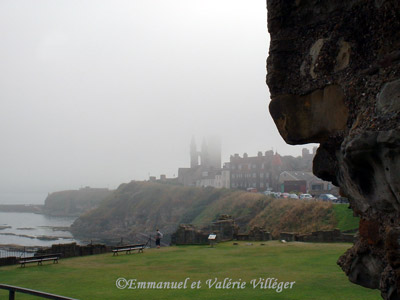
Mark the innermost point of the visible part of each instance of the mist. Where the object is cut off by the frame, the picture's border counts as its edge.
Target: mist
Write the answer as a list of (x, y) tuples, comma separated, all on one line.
[(97, 93)]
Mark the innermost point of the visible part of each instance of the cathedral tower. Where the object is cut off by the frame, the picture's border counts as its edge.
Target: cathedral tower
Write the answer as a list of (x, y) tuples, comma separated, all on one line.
[(194, 155)]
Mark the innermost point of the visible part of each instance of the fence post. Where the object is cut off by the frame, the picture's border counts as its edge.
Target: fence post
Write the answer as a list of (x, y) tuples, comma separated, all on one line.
[(11, 295)]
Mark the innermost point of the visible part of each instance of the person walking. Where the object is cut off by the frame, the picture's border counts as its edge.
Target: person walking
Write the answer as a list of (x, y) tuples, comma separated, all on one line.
[(159, 236)]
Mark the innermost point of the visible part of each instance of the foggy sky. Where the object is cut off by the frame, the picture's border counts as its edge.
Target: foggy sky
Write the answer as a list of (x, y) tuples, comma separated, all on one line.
[(96, 93)]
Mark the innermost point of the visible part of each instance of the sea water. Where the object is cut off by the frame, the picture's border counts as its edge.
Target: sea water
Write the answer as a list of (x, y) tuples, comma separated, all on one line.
[(30, 229)]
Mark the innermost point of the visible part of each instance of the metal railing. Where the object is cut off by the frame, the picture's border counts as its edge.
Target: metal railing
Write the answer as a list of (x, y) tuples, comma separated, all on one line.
[(12, 289), (21, 252)]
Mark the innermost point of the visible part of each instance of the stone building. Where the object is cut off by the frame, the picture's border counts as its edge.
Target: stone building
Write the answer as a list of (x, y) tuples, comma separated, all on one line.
[(260, 172), (304, 182)]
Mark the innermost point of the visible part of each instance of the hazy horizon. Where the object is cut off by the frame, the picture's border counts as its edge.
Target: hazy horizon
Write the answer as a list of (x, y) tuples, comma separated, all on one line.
[(97, 93)]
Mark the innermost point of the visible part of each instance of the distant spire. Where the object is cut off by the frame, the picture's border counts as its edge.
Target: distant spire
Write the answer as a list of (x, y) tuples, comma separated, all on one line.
[(194, 157), (204, 153), (193, 144)]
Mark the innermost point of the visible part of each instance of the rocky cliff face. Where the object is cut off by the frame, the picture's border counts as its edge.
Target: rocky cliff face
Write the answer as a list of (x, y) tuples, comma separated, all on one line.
[(74, 202), (333, 74)]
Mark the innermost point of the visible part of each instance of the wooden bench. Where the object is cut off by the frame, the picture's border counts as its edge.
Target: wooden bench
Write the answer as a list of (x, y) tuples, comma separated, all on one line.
[(129, 248), (40, 259)]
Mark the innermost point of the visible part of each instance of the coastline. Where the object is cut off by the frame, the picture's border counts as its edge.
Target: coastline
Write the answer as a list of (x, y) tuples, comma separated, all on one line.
[(22, 208), (32, 229)]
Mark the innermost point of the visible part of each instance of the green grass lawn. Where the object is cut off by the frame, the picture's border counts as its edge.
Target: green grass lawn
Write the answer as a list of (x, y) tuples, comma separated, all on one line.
[(312, 267)]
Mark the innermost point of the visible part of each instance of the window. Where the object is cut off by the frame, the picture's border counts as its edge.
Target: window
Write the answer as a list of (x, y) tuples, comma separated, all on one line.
[(316, 187), (254, 166), (254, 175), (261, 184), (261, 175)]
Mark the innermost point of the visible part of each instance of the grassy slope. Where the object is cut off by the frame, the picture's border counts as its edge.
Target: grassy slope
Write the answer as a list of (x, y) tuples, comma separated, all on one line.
[(295, 216), (141, 207), (312, 266), (345, 218)]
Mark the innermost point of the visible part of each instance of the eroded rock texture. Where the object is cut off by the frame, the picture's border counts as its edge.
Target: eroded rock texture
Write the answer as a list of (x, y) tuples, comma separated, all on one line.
[(334, 77)]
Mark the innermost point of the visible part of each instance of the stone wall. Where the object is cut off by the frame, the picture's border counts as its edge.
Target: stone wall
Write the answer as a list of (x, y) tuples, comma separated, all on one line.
[(7, 261), (259, 234), (287, 236), (321, 236), (72, 250), (326, 236), (189, 235), (225, 228), (255, 234), (334, 77), (66, 250)]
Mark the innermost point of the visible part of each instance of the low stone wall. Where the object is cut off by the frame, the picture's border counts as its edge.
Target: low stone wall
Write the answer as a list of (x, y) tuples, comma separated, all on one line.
[(287, 236), (321, 236), (224, 228), (189, 235), (255, 234), (259, 234), (66, 250), (72, 250), (7, 261)]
